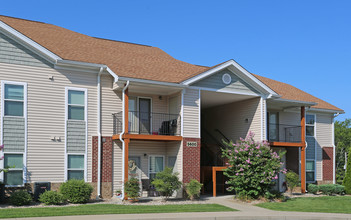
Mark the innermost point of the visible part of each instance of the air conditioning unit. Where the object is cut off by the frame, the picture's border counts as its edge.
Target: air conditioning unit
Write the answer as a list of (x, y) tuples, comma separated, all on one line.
[(39, 188)]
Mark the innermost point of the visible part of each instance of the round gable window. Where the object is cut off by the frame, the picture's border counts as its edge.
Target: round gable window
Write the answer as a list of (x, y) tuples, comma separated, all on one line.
[(226, 78)]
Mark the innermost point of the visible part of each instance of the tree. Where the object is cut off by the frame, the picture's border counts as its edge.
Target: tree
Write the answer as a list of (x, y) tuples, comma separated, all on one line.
[(252, 167), (343, 144), (347, 179)]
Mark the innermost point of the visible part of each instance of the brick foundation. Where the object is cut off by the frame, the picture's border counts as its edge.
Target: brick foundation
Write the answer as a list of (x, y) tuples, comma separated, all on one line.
[(191, 160), (328, 164), (106, 166)]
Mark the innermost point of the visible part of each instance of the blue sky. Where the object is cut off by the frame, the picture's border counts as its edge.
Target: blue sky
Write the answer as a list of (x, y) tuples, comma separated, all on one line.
[(303, 43)]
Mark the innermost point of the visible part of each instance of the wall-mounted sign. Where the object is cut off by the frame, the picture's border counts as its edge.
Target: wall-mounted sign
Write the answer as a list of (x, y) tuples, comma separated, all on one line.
[(191, 143)]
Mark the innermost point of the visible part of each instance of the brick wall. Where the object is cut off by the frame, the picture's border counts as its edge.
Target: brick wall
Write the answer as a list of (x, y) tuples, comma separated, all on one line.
[(191, 160), (327, 163), (106, 165)]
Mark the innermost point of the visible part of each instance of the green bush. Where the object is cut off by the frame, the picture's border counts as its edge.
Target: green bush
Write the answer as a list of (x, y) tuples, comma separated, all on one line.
[(20, 198), (271, 195), (312, 188), (132, 188), (76, 191), (193, 189), (166, 182), (327, 189), (252, 167), (339, 189), (51, 198), (347, 180), (292, 180)]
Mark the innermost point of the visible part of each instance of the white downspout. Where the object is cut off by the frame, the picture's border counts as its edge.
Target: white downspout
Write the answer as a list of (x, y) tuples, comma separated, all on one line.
[(99, 131), (121, 135), (333, 141)]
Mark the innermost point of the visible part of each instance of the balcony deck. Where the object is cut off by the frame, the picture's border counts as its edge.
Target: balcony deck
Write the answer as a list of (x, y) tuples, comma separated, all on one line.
[(148, 126), (284, 135)]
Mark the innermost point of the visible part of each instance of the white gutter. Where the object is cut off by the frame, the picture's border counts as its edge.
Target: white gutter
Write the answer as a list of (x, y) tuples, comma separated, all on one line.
[(99, 130), (333, 141), (121, 136)]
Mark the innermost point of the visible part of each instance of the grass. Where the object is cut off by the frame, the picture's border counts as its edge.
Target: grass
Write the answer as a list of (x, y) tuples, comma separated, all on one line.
[(327, 204), (101, 209)]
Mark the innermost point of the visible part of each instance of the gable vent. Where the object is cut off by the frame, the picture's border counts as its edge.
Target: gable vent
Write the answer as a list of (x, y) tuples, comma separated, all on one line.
[(226, 78)]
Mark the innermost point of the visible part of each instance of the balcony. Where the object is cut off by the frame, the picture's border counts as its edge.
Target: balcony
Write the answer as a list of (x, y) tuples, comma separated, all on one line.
[(281, 134), (148, 123)]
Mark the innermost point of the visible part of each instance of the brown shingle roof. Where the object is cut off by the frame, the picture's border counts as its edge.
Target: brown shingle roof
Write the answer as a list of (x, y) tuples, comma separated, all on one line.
[(131, 60), (290, 92)]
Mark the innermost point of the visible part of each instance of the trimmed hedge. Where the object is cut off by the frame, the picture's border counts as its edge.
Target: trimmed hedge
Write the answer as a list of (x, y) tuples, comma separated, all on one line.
[(20, 198), (326, 189), (51, 198), (76, 191), (312, 188)]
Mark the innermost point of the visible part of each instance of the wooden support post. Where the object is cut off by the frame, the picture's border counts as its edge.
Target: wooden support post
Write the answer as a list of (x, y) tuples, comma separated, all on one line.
[(214, 181), (303, 150)]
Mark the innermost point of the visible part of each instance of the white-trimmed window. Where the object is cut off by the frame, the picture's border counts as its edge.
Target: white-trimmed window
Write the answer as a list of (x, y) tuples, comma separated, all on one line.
[(156, 165), (76, 104), (311, 148), (75, 166), (14, 105), (14, 175)]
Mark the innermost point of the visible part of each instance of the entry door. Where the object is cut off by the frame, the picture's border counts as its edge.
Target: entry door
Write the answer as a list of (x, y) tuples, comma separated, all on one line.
[(145, 115)]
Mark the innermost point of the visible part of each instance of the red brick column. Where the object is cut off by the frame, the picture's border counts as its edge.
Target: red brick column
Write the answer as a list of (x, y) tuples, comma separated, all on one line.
[(191, 160), (106, 162), (106, 165), (328, 163)]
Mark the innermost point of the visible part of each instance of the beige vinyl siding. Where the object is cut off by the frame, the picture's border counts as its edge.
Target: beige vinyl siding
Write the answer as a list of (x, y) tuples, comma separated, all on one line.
[(46, 116), (175, 148), (117, 165), (264, 119), (12, 52), (111, 102), (289, 118), (324, 138), (230, 119), (237, 84), (191, 113)]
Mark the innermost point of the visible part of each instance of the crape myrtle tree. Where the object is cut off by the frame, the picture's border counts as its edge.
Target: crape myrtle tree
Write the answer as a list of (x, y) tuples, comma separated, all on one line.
[(252, 167)]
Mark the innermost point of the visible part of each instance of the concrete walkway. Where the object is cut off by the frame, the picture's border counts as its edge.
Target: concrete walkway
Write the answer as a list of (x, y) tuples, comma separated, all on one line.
[(246, 211)]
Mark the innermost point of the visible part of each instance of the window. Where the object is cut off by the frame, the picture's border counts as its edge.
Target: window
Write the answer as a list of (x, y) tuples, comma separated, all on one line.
[(76, 105), (311, 148), (14, 176), (75, 167), (13, 100), (310, 170), (156, 164)]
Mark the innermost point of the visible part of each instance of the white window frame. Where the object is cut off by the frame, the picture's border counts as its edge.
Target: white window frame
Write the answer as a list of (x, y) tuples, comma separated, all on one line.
[(315, 148), (148, 162), (76, 169), (25, 103), (86, 131)]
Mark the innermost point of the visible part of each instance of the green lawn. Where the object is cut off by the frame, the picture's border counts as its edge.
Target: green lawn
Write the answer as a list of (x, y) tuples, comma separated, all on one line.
[(100, 209), (328, 204)]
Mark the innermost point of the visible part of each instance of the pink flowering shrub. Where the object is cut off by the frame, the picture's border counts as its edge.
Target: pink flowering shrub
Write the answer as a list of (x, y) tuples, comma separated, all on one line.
[(252, 167)]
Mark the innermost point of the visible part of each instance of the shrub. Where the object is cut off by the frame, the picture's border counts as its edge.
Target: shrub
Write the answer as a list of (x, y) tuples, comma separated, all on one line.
[(347, 180), (76, 191), (327, 189), (132, 188), (339, 189), (292, 180), (20, 198), (312, 188), (166, 182), (193, 189), (51, 198), (252, 167)]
